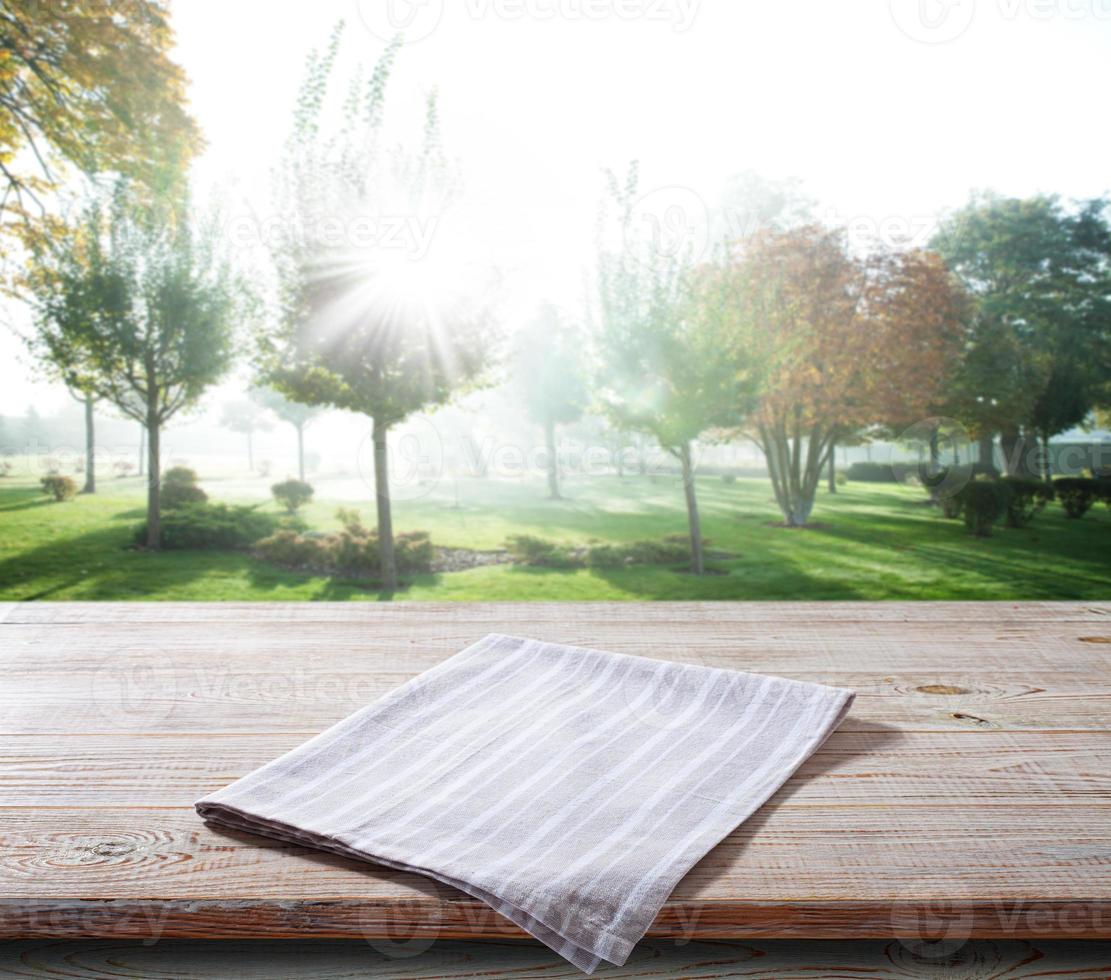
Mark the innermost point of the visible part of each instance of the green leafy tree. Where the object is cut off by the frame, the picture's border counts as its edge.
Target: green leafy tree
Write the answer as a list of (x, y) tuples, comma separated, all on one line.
[(550, 373), (363, 324), (1039, 346), (664, 365), (142, 297), (247, 417), (296, 414), (90, 85)]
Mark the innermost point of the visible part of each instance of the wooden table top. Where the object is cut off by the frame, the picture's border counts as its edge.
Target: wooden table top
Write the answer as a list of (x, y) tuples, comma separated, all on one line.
[(968, 792)]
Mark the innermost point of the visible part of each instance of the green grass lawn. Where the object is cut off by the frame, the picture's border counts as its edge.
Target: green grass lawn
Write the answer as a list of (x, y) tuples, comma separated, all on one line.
[(869, 542)]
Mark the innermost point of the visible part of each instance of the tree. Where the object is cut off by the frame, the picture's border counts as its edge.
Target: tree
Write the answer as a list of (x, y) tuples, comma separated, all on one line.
[(1040, 341), (846, 341), (294, 413), (88, 84), (141, 296), (247, 417), (663, 365), (364, 325), (551, 377)]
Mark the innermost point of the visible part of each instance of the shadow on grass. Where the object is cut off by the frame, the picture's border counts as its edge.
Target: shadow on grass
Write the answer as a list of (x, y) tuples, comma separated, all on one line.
[(24, 499)]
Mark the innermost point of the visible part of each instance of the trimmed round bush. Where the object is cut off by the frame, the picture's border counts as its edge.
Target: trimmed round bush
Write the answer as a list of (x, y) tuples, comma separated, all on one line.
[(177, 495), (1077, 494), (984, 503), (292, 494), (1027, 499), (59, 487), (180, 474), (865, 472)]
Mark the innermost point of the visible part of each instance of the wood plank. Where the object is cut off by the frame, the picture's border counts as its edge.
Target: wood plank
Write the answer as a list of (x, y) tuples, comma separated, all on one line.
[(783, 854), (881, 767), (406, 958), (127, 695)]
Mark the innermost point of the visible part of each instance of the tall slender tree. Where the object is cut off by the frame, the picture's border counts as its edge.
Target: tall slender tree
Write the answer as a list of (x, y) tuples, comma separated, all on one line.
[(248, 417), (550, 375), (296, 414), (143, 298), (664, 365), (366, 325)]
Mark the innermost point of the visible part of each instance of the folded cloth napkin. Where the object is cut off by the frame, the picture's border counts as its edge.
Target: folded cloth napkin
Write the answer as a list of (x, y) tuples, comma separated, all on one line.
[(569, 789)]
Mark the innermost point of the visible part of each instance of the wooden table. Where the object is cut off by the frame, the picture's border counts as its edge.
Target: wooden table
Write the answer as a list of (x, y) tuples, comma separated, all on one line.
[(968, 794)]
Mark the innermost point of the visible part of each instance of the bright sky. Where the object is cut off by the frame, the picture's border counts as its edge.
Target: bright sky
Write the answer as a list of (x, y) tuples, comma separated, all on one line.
[(885, 108)]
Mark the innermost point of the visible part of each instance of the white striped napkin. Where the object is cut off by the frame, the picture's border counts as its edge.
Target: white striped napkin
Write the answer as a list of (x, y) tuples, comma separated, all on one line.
[(569, 789)]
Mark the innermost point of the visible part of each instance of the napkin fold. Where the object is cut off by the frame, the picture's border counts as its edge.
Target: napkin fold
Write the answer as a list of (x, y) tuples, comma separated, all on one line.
[(570, 789)]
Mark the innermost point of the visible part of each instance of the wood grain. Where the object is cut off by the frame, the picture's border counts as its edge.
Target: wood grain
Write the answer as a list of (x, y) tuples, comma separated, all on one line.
[(971, 785)]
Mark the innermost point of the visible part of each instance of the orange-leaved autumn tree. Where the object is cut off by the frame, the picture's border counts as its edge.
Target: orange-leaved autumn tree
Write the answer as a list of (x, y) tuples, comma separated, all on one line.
[(846, 341)]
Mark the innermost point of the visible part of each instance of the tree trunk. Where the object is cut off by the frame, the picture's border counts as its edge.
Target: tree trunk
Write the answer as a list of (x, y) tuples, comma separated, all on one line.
[(1047, 462), (1009, 441), (986, 453), (90, 448), (553, 460), (832, 470), (301, 453), (385, 520), (695, 525), (142, 448), (154, 480)]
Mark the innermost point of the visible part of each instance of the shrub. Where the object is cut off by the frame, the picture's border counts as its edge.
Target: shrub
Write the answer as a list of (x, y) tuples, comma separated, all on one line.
[(839, 478), (864, 472), (286, 547), (728, 478), (1077, 494), (529, 550), (292, 494), (205, 526), (177, 495), (5, 468), (351, 551), (536, 551), (180, 474), (983, 502), (59, 487), (1027, 499), (179, 488)]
